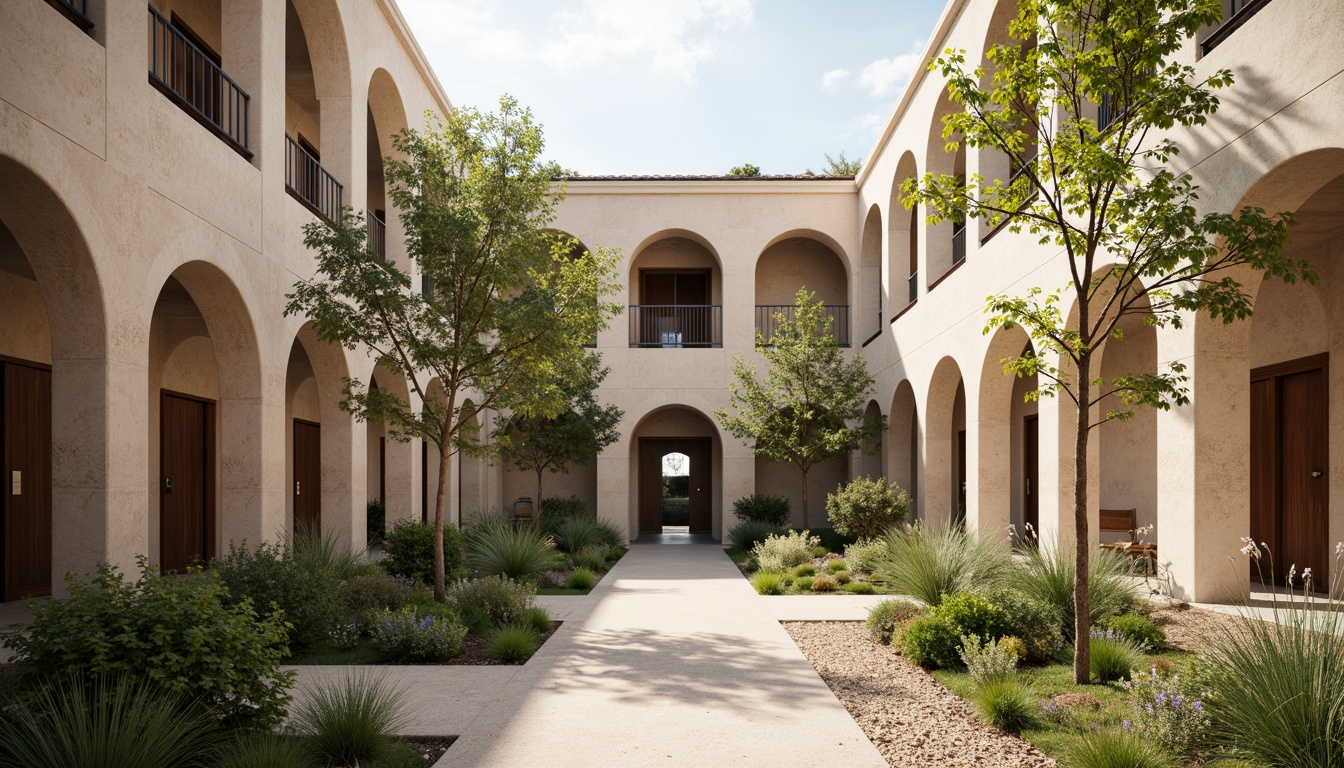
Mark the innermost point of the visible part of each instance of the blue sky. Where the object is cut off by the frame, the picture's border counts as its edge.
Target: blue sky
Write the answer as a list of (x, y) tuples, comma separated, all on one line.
[(682, 86)]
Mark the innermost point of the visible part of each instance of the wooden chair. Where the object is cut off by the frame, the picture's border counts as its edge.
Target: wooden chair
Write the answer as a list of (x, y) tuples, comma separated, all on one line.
[(1125, 521)]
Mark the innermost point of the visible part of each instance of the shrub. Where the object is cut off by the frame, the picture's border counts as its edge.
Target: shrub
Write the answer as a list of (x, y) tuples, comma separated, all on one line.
[(345, 637), (265, 750), (803, 583), (614, 554), (1140, 629), (179, 632), (1278, 685), (501, 600), (806, 569), (573, 534), (581, 578), (1113, 656), (747, 534), (1033, 623), (1048, 578), (762, 508), (271, 576), (866, 506), (513, 642), (860, 588), (375, 518), (837, 565), (1005, 703), (1169, 710), (537, 618), (519, 552), (377, 590), (351, 720), (884, 617), (554, 509), (861, 555), (987, 661), (593, 558), (767, 583), (842, 577), (1116, 749), (1013, 646), (928, 564), (109, 722), (780, 553), (410, 550), (931, 641), (825, 584), (318, 552), (405, 637), (971, 614)]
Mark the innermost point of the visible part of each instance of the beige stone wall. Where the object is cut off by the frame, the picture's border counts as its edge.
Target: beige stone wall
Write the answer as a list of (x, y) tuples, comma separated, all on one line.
[(24, 329)]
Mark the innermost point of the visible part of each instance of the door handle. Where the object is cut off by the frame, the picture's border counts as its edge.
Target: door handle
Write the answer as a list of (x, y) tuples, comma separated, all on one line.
[(16, 483), (297, 488), (167, 485), (1028, 486), (1316, 473)]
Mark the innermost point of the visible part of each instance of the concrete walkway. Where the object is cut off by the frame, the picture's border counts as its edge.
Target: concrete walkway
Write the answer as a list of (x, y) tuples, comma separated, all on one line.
[(672, 660)]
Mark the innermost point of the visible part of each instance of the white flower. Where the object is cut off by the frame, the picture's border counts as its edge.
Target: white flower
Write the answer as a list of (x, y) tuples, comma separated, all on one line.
[(1306, 575), (1339, 549), (1250, 548), (1292, 572)]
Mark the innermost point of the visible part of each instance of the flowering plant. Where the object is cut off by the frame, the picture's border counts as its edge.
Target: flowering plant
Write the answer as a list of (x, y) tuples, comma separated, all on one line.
[(406, 637), (1167, 710), (345, 637)]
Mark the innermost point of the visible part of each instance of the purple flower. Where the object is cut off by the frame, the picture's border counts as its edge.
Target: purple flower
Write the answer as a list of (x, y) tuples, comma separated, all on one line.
[(1125, 724), (1161, 697), (1197, 706)]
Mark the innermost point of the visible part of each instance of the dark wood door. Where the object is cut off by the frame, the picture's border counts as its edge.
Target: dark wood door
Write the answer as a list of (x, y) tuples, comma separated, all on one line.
[(186, 488), (1289, 465), (1031, 505), (307, 477), (25, 485), (960, 514), (651, 452)]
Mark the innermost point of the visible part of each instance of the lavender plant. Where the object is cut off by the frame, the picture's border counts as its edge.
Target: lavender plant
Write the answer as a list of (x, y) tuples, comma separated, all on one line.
[(407, 638), (345, 638), (1168, 710)]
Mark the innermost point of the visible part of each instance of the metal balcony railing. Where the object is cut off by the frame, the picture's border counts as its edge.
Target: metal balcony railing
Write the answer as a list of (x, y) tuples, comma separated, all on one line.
[(77, 11), (914, 286), (1241, 11), (1106, 112), (184, 73), (767, 322), (310, 183), (377, 231), (958, 242), (674, 326)]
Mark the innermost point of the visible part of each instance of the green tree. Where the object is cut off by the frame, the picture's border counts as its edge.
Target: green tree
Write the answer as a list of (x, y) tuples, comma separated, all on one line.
[(839, 166), (1106, 196), (810, 408), (540, 443), (511, 305), (746, 169)]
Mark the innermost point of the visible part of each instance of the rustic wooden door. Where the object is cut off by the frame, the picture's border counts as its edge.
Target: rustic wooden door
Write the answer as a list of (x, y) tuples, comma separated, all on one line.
[(1031, 505), (186, 488), (25, 485), (650, 496), (307, 477), (1289, 465), (651, 452), (698, 450)]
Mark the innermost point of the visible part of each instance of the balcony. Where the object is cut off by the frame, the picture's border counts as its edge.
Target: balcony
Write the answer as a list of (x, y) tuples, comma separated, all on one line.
[(1242, 11), (192, 78), (377, 232), (77, 11), (958, 242), (310, 183), (676, 326), (914, 286), (838, 314)]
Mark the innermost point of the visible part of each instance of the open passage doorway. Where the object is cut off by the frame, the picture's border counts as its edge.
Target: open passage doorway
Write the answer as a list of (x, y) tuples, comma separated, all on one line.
[(674, 484)]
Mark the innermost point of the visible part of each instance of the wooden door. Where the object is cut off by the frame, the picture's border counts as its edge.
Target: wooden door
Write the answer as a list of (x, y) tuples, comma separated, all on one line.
[(698, 450), (25, 485), (186, 488), (651, 452), (959, 514), (1289, 465), (1031, 505), (307, 477)]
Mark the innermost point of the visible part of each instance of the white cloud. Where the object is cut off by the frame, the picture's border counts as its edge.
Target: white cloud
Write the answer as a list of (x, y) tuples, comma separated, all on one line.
[(872, 122), (886, 77), (832, 79)]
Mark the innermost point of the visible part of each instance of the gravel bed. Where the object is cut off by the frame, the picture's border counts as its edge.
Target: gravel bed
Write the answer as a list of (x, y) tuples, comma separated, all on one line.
[(910, 717), (1187, 628)]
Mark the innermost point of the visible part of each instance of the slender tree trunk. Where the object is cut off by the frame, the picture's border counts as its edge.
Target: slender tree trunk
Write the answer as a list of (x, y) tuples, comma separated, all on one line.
[(805, 526), (440, 593), (1082, 611)]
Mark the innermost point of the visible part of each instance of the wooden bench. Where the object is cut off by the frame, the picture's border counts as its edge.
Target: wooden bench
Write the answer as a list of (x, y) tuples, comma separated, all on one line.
[(1125, 521)]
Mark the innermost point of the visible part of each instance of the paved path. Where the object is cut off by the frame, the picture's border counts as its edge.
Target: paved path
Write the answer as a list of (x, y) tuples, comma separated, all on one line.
[(672, 660)]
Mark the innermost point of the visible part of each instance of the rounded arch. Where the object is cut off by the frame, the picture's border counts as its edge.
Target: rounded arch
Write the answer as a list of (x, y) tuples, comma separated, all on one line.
[(945, 485), (325, 43), (802, 260), (903, 440), (675, 290), (903, 236), (681, 428), (872, 458), (393, 466), (685, 234), (319, 435), (991, 164), (1006, 450), (871, 300), (385, 118), (945, 242)]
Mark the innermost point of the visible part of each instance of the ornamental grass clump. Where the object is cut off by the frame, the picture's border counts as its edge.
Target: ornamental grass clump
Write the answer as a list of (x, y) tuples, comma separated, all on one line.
[(351, 721), (825, 584), (768, 583), (1114, 656), (519, 552), (930, 563), (264, 749), (581, 578), (513, 642), (405, 637), (1006, 703), (1116, 749), (573, 534), (1047, 576), (1169, 710), (537, 618), (781, 553), (1278, 686), (592, 558)]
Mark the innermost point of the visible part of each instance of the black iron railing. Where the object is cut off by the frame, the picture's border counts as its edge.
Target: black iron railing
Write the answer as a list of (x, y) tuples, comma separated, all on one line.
[(426, 286), (77, 11), (1241, 11), (1106, 112), (914, 286), (767, 322), (958, 242), (307, 180), (377, 229), (673, 326), (190, 77)]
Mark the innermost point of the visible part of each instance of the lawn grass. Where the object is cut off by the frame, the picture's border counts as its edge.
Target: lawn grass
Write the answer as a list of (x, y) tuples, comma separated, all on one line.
[(326, 654)]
